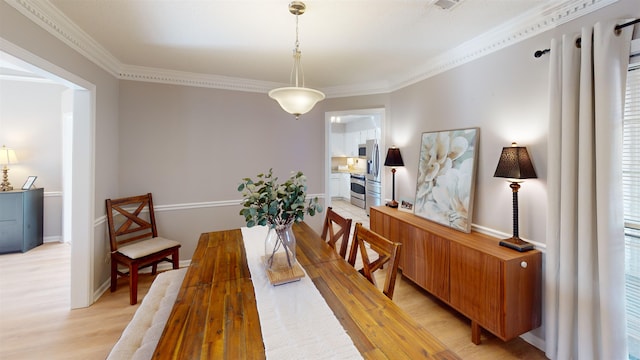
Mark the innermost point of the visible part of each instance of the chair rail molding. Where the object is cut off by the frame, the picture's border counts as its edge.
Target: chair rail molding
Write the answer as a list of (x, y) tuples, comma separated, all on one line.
[(196, 205)]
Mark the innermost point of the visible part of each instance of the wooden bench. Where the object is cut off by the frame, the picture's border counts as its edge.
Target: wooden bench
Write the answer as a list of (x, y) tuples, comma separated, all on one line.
[(140, 338)]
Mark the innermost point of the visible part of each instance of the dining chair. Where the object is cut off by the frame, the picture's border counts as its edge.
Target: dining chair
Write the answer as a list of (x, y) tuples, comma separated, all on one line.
[(388, 253), (337, 228), (134, 240)]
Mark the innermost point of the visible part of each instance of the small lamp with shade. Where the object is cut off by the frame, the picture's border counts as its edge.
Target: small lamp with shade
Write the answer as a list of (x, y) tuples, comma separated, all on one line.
[(393, 159), (7, 157), (515, 165)]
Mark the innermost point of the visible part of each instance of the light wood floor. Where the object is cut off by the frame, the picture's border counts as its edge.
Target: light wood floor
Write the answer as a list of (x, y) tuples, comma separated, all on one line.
[(36, 323)]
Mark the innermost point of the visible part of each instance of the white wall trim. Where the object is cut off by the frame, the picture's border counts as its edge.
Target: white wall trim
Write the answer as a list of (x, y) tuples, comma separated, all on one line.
[(510, 33), (46, 15), (533, 340), (546, 17), (197, 205), (53, 194), (164, 76), (52, 239), (502, 235)]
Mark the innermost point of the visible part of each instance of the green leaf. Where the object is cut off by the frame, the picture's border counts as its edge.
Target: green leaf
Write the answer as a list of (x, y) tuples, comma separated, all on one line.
[(267, 202)]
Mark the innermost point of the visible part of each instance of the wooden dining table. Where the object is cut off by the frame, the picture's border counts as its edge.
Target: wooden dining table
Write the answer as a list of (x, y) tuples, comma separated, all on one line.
[(215, 314)]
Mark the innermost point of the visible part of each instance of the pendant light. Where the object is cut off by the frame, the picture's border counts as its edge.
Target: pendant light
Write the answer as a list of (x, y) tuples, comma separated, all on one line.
[(296, 99)]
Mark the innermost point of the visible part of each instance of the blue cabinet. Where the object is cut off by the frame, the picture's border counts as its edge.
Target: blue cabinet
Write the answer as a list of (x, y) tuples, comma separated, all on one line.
[(20, 220)]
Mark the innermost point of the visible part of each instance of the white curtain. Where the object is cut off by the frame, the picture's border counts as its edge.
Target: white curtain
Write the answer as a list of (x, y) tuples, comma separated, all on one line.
[(584, 283)]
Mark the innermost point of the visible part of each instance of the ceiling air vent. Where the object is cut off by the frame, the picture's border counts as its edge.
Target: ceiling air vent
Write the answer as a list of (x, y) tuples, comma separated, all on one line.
[(447, 4)]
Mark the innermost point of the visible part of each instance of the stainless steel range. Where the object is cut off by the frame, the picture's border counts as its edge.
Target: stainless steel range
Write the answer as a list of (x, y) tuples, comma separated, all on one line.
[(358, 190)]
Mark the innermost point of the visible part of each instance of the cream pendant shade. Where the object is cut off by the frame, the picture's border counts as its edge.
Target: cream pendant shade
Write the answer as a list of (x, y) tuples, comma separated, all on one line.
[(296, 100)]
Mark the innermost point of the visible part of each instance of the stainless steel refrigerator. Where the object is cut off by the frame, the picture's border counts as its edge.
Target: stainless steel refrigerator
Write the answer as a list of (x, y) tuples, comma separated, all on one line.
[(372, 186)]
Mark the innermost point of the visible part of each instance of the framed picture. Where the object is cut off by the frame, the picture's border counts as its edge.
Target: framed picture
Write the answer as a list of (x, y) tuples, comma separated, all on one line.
[(29, 183), (446, 177), (405, 205)]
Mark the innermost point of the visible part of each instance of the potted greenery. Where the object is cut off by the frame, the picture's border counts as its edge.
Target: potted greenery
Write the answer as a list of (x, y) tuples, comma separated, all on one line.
[(278, 206)]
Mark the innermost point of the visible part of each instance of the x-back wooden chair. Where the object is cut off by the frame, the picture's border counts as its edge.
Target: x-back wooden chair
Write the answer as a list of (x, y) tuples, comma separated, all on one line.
[(336, 227), (134, 240), (388, 253)]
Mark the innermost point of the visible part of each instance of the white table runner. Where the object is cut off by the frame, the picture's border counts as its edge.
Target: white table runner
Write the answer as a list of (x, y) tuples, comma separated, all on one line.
[(296, 321)]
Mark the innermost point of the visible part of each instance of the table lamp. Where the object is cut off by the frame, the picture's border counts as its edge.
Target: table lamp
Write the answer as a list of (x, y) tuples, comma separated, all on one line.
[(515, 165), (393, 159), (7, 157)]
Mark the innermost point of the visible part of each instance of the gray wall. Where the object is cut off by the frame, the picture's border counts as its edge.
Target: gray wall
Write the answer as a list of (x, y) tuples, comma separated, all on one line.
[(192, 146), (503, 94)]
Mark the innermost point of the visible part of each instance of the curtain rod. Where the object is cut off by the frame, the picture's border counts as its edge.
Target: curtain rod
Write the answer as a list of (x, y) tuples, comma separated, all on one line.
[(579, 40)]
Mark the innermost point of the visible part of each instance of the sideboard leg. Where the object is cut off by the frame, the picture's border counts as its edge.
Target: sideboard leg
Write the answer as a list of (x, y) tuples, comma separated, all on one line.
[(476, 331)]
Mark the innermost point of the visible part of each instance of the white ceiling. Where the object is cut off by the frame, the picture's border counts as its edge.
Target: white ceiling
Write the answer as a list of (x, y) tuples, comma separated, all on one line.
[(348, 46)]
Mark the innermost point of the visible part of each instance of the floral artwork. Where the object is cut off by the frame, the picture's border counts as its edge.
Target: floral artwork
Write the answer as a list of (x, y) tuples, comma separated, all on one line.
[(446, 175)]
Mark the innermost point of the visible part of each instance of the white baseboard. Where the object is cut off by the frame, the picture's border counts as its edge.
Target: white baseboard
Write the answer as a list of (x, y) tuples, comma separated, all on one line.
[(534, 340), (50, 239)]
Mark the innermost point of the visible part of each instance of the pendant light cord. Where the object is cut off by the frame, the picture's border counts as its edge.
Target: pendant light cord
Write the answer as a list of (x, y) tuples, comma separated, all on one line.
[(297, 71)]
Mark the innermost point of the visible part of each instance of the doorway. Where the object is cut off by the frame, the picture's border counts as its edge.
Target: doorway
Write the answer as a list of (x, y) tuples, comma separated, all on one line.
[(78, 110), (341, 152)]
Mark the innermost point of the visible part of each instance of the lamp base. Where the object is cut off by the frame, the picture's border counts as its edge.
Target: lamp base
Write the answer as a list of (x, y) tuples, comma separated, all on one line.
[(517, 244), (6, 185), (392, 204)]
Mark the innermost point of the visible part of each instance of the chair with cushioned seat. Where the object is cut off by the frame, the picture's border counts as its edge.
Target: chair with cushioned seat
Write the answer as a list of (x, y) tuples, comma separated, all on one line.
[(337, 228), (134, 240), (388, 253)]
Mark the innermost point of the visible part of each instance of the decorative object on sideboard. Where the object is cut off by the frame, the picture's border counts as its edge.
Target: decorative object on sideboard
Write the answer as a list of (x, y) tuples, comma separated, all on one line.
[(406, 205), (296, 99), (393, 159), (7, 157), (28, 184), (278, 206), (515, 165), (446, 177)]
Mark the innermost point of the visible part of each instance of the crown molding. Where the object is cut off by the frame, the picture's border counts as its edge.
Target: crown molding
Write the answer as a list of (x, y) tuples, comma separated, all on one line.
[(47, 16), (141, 73), (530, 24), (519, 29)]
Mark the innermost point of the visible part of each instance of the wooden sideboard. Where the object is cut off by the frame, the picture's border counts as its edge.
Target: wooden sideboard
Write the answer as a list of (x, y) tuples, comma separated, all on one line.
[(497, 288)]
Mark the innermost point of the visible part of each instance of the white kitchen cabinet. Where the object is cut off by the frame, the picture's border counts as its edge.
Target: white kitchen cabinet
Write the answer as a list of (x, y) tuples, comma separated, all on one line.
[(364, 136), (352, 139), (371, 134), (345, 186), (338, 145), (335, 185)]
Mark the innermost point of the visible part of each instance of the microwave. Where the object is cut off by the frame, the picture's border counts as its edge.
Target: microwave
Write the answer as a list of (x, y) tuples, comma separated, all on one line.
[(362, 150)]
